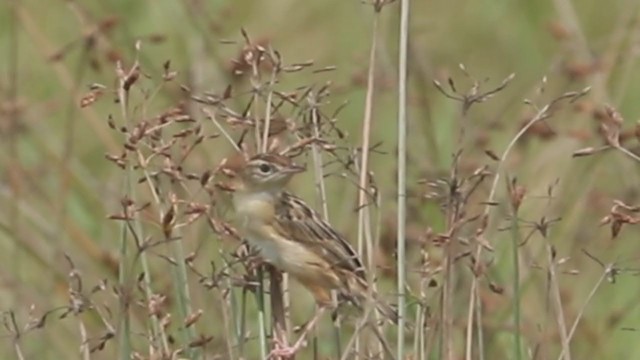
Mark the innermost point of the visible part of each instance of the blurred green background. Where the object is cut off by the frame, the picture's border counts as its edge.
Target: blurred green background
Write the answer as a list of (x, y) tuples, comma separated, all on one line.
[(57, 188)]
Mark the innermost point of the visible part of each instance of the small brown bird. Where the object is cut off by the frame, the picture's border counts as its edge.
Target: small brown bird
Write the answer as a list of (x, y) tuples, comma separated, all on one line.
[(294, 238)]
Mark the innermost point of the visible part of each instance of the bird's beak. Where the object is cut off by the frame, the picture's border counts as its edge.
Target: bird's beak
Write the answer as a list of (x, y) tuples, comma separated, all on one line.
[(295, 169)]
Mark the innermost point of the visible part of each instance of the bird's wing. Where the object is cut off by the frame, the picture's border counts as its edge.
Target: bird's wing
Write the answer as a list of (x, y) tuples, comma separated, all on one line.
[(306, 226)]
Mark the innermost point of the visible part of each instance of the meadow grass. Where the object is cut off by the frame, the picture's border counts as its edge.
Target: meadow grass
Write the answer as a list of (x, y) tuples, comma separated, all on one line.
[(516, 215)]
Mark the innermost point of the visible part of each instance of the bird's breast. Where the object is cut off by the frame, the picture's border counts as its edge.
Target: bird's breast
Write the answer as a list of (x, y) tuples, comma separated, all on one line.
[(256, 214)]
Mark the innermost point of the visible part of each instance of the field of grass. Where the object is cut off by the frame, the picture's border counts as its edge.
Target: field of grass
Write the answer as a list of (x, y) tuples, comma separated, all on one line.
[(117, 238)]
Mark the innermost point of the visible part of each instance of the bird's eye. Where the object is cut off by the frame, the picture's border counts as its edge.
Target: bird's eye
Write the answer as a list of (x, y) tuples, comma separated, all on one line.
[(265, 168)]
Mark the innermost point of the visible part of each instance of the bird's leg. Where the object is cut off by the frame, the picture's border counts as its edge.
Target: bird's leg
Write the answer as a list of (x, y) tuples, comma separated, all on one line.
[(285, 351)]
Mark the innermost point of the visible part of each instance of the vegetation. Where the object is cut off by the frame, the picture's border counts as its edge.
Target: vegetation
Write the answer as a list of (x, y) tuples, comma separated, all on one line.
[(520, 242)]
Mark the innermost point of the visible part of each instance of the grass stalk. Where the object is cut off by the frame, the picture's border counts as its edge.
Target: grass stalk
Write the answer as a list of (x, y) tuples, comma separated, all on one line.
[(364, 244), (84, 341), (13, 161), (278, 282), (183, 296), (555, 288), (224, 310), (366, 136), (515, 258), (262, 318), (124, 319), (402, 174), (318, 176), (470, 316)]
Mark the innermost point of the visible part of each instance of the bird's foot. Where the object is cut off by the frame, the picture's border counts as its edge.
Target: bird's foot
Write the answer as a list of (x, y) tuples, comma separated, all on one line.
[(285, 351)]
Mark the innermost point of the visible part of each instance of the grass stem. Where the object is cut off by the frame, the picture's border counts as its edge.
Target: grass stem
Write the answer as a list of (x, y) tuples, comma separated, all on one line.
[(402, 174)]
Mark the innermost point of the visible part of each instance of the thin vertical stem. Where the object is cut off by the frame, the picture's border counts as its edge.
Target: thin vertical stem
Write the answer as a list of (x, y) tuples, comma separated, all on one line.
[(183, 296), (262, 324), (277, 305), (124, 322), (318, 175), (241, 323), (226, 303), (267, 112), (479, 336), (84, 343), (278, 283), (555, 288), (470, 314), (14, 156), (366, 135), (515, 238), (364, 231), (317, 164), (402, 171)]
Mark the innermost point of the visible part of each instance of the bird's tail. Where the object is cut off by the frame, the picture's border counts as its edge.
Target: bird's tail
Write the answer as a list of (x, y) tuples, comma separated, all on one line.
[(360, 294), (387, 310)]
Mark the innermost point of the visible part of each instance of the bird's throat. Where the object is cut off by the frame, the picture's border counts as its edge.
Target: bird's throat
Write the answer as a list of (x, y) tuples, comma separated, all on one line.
[(254, 206)]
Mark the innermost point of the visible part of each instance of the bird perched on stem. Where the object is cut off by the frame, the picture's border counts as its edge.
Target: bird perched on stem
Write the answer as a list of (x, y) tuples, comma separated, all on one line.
[(294, 238)]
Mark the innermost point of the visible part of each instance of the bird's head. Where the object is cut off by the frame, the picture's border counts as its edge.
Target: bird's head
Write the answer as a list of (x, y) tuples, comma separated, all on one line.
[(264, 171)]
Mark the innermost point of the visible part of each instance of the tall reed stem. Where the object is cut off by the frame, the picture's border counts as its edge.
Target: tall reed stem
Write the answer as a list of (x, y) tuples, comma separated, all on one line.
[(402, 172)]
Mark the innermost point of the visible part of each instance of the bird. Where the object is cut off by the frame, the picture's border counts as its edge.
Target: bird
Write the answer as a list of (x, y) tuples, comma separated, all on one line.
[(294, 238)]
